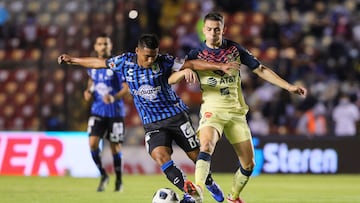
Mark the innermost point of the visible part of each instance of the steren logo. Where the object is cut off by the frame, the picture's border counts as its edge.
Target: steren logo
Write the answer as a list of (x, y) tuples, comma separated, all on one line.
[(147, 92)]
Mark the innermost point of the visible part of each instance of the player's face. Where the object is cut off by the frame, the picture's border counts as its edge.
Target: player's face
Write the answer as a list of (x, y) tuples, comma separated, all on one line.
[(213, 31), (146, 57), (103, 47)]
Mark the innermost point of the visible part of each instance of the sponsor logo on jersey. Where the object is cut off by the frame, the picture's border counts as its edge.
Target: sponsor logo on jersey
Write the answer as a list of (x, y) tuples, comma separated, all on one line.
[(102, 89), (187, 129), (212, 82), (224, 91), (227, 79), (147, 92)]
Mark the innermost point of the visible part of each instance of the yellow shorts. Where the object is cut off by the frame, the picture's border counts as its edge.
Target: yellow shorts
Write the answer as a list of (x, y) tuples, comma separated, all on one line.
[(231, 122)]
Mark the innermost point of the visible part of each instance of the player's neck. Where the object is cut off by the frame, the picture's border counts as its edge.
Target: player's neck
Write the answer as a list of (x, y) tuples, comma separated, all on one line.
[(215, 45)]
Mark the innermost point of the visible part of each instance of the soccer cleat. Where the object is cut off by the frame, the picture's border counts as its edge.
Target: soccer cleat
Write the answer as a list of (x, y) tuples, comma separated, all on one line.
[(103, 182), (187, 199), (237, 200), (216, 192), (118, 186), (194, 191)]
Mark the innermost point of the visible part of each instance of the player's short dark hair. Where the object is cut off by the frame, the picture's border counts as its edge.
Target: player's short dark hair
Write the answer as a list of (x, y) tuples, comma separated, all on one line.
[(150, 41), (102, 35), (214, 16)]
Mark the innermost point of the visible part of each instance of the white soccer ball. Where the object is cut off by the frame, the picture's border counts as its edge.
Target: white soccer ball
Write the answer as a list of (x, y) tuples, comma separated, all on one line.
[(165, 195)]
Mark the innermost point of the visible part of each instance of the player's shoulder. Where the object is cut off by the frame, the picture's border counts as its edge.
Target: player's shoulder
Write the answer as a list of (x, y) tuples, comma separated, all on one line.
[(230, 43)]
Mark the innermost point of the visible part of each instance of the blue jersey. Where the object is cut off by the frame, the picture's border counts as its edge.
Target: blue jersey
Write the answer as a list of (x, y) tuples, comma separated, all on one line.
[(154, 98), (106, 81)]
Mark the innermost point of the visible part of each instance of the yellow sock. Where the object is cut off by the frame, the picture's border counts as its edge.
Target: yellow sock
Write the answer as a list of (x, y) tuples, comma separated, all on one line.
[(239, 183), (202, 169)]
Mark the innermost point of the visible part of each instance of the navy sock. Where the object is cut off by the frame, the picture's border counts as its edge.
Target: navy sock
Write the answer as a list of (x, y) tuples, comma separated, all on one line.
[(97, 160), (118, 166), (173, 174), (245, 172)]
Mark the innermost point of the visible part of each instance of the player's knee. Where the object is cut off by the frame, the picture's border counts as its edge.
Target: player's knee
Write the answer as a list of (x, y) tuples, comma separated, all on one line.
[(249, 166), (160, 156), (207, 147)]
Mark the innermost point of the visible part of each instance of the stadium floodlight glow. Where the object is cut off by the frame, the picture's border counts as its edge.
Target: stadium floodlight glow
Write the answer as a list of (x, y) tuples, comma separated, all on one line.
[(133, 14)]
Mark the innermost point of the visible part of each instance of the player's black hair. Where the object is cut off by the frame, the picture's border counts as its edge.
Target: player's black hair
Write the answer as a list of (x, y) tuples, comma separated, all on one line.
[(150, 41), (214, 16), (103, 35)]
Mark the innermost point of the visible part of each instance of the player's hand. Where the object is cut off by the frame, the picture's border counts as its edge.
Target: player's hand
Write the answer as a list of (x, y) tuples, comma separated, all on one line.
[(228, 67), (298, 90), (190, 76), (108, 99), (87, 95), (64, 58)]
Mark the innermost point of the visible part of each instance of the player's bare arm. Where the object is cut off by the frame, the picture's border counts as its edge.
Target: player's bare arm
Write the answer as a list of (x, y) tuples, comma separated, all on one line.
[(88, 91), (201, 65), (189, 75), (87, 62), (270, 76)]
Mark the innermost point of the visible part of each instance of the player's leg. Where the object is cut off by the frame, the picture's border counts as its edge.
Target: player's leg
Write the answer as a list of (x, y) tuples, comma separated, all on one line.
[(117, 160), (245, 153), (208, 138), (96, 130), (158, 143), (116, 138), (239, 136), (187, 140), (162, 156)]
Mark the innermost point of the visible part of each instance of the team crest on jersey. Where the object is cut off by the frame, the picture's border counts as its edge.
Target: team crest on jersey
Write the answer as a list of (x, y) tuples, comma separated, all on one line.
[(212, 82), (208, 114), (155, 68)]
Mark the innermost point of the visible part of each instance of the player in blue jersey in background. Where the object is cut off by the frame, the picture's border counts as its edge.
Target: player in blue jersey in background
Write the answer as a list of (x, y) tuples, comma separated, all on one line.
[(105, 89), (163, 113), (223, 110)]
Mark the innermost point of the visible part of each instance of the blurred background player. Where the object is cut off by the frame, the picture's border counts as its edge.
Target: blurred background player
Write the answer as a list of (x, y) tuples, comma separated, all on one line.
[(106, 89), (163, 113), (224, 109)]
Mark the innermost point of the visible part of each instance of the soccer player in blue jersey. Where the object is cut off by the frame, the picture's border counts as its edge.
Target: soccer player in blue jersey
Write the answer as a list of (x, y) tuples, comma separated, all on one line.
[(163, 113), (224, 109), (106, 89)]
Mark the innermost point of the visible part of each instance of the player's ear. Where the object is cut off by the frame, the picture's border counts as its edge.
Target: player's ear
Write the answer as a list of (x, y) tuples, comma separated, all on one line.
[(224, 30)]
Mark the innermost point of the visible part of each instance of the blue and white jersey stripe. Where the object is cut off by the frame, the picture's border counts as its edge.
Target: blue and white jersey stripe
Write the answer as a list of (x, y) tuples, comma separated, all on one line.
[(106, 81), (154, 98)]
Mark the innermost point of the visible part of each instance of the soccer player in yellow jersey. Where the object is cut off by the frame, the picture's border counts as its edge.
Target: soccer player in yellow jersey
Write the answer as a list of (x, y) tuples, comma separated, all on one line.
[(224, 109)]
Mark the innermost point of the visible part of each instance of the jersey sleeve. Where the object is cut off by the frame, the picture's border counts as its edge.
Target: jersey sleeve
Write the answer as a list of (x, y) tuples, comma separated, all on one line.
[(178, 64), (247, 58), (192, 54), (115, 63)]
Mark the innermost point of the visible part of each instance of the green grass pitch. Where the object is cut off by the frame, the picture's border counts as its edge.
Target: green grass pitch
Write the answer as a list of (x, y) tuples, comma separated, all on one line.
[(140, 189)]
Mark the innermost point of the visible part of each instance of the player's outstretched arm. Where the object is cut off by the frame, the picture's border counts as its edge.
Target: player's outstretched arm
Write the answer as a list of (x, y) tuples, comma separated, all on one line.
[(87, 62), (200, 65), (188, 74), (270, 76)]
